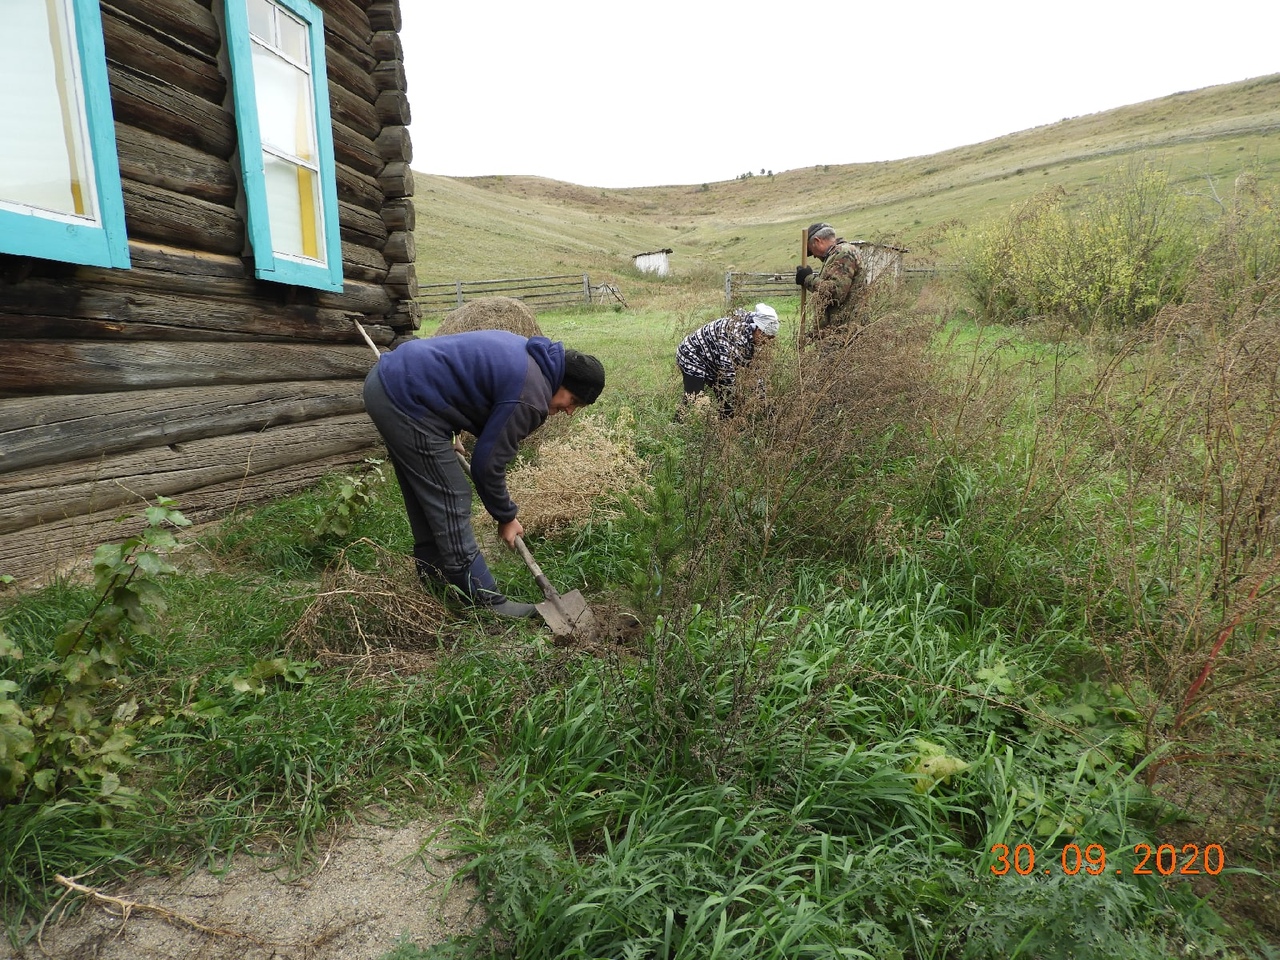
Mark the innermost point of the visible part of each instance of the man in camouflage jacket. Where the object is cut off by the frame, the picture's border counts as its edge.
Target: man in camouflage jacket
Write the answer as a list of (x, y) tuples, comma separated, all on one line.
[(838, 287)]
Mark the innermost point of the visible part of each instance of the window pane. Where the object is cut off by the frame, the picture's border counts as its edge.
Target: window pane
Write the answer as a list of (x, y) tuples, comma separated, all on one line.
[(293, 206), (40, 108), (293, 39), (261, 19), (285, 116)]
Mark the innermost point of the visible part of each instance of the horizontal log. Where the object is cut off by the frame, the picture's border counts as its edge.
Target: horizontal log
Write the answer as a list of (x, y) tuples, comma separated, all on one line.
[(172, 113), (165, 216), (347, 30), (188, 22), (400, 248), (388, 74), (354, 111), (399, 215), (33, 474), (227, 278), (402, 280), (350, 74), (394, 143), (396, 180), (392, 109), (362, 226), (37, 432), (387, 45), (150, 53), (363, 263), (35, 554), (385, 15), (143, 312), (354, 150), (85, 366), (159, 162), (360, 189)]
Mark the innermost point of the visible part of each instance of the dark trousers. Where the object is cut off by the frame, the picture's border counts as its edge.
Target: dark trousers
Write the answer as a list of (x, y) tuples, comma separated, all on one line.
[(437, 493)]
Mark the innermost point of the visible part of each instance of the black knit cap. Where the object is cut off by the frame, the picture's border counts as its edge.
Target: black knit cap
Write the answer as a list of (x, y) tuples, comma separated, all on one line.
[(815, 227), (583, 376)]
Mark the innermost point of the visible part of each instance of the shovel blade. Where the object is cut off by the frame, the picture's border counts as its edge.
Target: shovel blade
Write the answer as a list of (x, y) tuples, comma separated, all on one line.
[(571, 617)]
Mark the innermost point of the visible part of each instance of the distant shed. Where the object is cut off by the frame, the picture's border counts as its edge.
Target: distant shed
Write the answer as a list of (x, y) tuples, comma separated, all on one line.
[(655, 261), (879, 259)]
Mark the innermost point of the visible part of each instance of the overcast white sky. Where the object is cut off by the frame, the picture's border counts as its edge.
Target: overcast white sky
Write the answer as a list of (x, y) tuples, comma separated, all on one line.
[(664, 92)]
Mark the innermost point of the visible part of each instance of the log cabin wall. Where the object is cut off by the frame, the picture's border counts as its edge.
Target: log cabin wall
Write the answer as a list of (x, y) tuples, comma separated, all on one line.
[(184, 375)]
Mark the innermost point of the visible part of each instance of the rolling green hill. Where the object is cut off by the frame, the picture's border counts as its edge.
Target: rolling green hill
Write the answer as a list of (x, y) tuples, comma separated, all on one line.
[(507, 226)]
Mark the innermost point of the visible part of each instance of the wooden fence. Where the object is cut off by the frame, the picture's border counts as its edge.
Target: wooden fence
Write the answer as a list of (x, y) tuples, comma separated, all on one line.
[(749, 288), (536, 292)]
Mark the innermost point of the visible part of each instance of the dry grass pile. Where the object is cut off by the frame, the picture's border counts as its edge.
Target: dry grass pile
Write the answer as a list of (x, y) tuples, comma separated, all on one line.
[(491, 313), (366, 612), (579, 474)]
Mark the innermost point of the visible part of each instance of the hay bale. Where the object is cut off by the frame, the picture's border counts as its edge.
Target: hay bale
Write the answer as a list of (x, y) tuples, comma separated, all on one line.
[(491, 313)]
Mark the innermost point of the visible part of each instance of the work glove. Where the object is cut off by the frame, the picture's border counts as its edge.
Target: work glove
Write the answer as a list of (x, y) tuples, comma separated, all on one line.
[(802, 274)]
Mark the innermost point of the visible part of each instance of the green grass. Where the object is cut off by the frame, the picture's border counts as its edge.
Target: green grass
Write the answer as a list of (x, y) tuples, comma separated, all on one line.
[(517, 226), (861, 666)]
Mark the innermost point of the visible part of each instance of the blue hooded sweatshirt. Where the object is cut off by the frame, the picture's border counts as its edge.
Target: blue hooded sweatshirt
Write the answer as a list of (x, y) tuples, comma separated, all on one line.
[(490, 383)]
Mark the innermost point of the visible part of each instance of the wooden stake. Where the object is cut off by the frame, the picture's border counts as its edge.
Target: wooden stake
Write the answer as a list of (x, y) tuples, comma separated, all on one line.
[(804, 256)]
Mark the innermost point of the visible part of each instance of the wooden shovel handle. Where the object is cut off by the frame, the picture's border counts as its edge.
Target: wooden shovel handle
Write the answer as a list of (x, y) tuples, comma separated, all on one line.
[(548, 590)]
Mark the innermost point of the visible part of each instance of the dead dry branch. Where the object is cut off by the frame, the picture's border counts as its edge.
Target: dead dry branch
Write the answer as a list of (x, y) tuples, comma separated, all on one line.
[(579, 474), (368, 612)]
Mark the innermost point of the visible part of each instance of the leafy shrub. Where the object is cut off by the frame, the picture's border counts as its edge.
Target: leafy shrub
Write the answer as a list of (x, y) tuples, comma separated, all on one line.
[(61, 720), (1111, 260)]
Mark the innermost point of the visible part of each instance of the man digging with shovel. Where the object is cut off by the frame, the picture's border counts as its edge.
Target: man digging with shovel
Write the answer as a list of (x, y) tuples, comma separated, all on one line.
[(496, 385)]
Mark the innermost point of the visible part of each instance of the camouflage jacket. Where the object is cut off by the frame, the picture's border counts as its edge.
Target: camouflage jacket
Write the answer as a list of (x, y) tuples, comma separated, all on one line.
[(837, 288)]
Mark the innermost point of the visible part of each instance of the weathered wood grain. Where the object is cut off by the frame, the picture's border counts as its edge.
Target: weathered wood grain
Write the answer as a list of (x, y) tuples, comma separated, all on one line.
[(167, 216), (385, 15), (172, 113), (60, 491), (355, 151), (388, 46), (44, 431), (360, 189), (354, 111), (160, 162), (392, 108), (399, 215), (396, 180), (187, 22), (394, 143), (36, 554), (149, 52), (364, 227), (87, 366), (400, 248)]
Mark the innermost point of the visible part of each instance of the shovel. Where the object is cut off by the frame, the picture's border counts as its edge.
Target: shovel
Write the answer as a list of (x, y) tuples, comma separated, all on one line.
[(568, 615)]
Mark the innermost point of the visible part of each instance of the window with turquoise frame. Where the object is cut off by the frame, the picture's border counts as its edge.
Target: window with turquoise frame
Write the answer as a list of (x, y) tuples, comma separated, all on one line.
[(286, 140), (60, 196)]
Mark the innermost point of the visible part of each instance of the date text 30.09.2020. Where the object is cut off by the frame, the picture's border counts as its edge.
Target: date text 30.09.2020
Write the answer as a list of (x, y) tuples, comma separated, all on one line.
[(1164, 859)]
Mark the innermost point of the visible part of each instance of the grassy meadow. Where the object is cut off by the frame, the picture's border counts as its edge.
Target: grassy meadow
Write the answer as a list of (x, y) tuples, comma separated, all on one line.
[(956, 641)]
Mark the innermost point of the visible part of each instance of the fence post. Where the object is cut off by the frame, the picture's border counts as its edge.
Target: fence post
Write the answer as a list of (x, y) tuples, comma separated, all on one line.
[(586, 288), (728, 288), (458, 287)]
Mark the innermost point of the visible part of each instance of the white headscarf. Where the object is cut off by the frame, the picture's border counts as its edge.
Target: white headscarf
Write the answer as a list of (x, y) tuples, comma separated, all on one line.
[(765, 319)]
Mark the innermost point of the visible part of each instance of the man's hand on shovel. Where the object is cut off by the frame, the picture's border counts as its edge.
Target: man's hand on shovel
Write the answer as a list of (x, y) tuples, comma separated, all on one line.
[(509, 531)]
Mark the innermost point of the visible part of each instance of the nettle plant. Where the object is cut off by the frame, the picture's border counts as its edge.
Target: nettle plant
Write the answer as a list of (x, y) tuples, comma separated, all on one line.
[(66, 720)]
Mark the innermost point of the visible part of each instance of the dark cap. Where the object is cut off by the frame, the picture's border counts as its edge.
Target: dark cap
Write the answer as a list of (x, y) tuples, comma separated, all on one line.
[(815, 227), (583, 376)]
